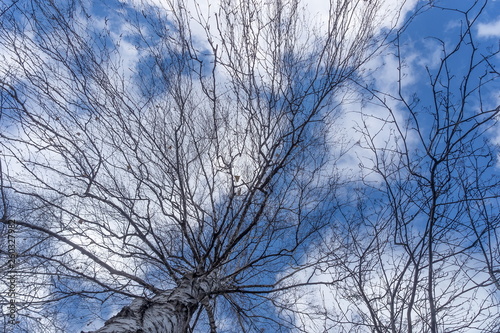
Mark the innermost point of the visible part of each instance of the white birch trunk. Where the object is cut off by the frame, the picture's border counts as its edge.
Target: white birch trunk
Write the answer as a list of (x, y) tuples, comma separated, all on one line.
[(168, 312)]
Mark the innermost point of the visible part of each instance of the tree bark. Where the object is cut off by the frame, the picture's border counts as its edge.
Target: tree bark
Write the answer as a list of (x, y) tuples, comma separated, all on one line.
[(167, 312)]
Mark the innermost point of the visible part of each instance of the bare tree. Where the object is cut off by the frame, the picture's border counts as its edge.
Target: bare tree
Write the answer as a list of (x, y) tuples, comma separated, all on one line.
[(173, 158), (420, 247)]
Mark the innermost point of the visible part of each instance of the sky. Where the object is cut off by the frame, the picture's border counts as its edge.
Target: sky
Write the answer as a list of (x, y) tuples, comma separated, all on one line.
[(421, 49)]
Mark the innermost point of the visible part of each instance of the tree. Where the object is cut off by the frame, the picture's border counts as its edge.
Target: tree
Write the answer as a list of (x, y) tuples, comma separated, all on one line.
[(420, 247), (172, 158), (176, 167)]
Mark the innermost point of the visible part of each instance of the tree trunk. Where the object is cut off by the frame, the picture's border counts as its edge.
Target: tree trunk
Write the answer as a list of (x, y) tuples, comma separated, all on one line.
[(168, 312)]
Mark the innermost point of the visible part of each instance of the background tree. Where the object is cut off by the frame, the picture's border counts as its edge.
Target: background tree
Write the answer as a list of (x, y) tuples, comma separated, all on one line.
[(172, 158), (419, 251)]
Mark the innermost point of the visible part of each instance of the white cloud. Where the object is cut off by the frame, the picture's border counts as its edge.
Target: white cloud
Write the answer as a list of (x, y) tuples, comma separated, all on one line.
[(487, 30)]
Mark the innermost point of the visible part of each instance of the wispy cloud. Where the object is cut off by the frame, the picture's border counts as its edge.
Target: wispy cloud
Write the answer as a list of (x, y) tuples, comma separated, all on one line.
[(488, 30)]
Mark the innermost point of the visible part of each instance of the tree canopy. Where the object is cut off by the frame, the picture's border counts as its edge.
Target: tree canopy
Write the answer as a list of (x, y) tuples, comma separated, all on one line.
[(248, 166)]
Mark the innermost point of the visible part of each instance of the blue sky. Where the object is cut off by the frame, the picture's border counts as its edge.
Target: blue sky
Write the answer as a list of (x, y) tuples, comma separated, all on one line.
[(359, 116)]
